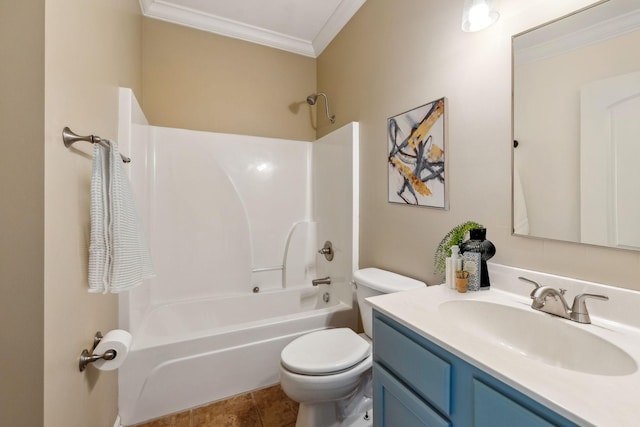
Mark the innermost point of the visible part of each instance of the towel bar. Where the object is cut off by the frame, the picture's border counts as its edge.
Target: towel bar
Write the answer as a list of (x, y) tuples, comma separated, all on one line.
[(70, 138)]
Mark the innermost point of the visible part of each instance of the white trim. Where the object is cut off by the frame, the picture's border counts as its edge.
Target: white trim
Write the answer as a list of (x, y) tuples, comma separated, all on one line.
[(583, 37), (117, 422), (166, 11), (343, 14)]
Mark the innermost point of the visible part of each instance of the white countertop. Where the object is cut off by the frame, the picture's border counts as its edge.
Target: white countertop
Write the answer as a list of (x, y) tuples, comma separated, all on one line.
[(586, 399)]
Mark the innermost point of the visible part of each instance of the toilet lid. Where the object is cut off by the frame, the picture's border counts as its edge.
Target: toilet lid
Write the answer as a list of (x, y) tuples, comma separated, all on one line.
[(325, 352)]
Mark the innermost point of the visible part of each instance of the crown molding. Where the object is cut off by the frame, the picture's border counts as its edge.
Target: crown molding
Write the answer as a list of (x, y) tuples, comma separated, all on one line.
[(335, 24), (582, 37), (167, 11)]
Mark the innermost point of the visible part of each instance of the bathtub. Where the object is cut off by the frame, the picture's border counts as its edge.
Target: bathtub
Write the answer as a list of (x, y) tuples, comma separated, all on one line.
[(190, 353)]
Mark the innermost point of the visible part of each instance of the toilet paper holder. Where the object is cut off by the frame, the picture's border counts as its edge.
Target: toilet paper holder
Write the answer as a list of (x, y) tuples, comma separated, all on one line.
[(87, 356)]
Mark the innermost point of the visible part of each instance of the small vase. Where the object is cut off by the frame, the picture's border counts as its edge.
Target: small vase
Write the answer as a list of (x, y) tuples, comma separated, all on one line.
[(478, 243), (462, 277)]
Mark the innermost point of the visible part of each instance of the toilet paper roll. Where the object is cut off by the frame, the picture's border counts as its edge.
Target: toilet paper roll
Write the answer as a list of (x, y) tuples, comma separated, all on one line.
[(118, 340)]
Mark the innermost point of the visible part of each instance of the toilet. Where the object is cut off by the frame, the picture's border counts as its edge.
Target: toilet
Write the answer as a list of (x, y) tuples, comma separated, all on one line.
[(329, 371)]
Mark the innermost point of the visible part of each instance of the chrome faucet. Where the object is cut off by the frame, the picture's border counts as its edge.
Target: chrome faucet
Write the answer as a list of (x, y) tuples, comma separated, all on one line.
[(551, 300), (322, 281), (533, 282), (579, 309)]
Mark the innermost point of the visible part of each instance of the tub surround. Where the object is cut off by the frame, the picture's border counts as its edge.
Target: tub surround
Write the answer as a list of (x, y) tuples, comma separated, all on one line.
[(272, 202), (586, 399)]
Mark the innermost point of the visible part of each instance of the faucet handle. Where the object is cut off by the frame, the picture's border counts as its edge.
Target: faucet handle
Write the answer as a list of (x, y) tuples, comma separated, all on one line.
[(533, 282), (579, 311), (327, 250)]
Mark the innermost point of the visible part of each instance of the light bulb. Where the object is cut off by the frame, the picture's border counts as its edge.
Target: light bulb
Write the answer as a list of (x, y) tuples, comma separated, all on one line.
[(477, 15)]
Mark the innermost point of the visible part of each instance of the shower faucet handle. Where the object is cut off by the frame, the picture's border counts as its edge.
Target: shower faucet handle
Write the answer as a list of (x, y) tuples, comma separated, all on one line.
[(327, 251)]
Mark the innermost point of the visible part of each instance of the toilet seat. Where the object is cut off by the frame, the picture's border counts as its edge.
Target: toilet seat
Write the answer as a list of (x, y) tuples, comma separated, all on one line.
[(325, 352)]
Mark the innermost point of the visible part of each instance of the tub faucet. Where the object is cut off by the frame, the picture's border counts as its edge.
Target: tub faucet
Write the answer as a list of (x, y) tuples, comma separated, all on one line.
[(322, 281)]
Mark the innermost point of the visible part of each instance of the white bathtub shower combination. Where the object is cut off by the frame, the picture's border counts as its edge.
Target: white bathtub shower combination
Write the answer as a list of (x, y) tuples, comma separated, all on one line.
[(234, 224)]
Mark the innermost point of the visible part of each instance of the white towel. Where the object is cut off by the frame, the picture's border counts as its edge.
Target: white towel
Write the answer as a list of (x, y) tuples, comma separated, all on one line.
[(118, 254)]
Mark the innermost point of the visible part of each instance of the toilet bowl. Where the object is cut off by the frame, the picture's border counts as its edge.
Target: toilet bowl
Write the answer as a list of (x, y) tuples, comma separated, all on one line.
[(329, 371)]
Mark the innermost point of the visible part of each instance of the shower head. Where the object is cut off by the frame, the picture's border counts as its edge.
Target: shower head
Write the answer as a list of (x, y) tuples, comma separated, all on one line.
[(313, 98)]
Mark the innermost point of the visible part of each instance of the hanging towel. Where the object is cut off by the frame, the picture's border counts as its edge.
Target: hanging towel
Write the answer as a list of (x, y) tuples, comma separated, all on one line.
[(119, 258)]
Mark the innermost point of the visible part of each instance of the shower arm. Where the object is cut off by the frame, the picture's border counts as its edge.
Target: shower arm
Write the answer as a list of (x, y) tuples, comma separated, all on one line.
[(332, 118)]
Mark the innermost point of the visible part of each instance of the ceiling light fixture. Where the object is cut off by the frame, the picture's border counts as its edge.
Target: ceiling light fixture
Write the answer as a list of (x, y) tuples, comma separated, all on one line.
[(478, 15)]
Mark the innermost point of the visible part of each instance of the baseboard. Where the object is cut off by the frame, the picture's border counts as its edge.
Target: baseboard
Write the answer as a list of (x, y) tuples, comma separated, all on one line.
[(117, 423)]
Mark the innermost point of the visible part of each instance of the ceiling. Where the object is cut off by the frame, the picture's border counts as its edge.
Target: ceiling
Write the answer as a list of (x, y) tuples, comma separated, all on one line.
[(304, 27)]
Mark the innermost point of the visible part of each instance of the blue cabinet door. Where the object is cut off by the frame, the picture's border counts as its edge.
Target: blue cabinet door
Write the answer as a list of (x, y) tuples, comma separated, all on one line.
[(494, 409), (394, 405), (401, 355)]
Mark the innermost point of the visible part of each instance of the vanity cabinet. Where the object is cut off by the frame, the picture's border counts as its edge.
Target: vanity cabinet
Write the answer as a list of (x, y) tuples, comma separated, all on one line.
[(418, 383)]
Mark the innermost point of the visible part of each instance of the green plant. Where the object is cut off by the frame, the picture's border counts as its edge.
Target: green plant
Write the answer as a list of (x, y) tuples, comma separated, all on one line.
[(455, 236)]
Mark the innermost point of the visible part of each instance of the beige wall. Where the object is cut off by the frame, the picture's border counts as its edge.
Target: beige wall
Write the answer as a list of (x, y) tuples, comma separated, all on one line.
[(202, 81), (394, 56), (21, 212), (92, 47)]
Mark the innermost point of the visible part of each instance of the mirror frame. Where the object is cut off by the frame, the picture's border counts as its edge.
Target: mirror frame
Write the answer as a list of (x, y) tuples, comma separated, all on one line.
[(514, 143)]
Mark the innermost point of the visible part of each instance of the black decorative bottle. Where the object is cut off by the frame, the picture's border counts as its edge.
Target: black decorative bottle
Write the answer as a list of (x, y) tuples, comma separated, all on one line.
[(478, 243)]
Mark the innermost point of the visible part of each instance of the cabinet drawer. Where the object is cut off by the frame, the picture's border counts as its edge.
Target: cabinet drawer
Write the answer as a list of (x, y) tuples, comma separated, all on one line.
[(491, 408), (395, 405), (419, 368)]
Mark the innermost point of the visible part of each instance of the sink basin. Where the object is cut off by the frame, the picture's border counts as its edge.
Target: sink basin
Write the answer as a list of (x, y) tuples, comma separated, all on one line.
[(539, 336)]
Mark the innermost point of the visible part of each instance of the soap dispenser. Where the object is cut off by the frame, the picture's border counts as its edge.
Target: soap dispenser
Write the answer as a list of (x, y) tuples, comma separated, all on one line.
[(452, 264), (456, 260)]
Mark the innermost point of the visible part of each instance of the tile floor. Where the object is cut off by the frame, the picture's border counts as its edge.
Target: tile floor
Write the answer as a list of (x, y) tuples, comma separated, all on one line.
[(268, 407)]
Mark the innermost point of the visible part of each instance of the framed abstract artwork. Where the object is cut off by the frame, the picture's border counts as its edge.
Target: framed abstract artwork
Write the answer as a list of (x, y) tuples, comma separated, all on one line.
[(417, 158)]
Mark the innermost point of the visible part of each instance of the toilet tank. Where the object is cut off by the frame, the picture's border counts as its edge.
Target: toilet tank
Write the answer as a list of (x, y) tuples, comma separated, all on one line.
[(374, 281)]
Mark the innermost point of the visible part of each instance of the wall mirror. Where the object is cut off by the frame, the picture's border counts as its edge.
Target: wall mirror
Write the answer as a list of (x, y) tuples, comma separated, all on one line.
[(576, 127)]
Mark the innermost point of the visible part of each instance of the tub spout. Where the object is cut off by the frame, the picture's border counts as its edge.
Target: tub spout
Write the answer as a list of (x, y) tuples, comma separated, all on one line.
[(322, 281)]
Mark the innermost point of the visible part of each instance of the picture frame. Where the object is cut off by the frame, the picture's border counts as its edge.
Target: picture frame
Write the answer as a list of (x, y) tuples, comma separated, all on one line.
[(417, 156)]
